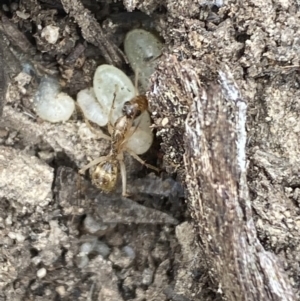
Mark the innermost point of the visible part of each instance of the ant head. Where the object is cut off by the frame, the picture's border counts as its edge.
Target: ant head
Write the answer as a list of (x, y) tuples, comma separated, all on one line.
[(131, 110)]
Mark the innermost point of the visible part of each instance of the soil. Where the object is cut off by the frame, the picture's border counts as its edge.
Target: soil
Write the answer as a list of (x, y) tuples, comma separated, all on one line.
[(61, 238)]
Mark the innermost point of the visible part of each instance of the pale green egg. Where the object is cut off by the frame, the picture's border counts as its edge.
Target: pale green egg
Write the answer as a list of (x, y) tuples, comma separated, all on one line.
[(50, 104), (142, 49)]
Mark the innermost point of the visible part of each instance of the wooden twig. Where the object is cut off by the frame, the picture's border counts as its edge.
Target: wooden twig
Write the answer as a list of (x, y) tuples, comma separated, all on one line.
[(215, 163), (3, 81), (92, 31)]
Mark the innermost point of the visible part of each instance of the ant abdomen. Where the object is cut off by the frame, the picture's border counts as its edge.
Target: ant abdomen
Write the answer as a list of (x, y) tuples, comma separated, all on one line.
[(105, 174)]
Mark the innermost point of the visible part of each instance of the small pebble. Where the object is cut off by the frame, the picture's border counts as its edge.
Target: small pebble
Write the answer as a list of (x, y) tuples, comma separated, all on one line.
[(22, 14), (11, 235), (36, 260), (120, 258), (115, 239), (3, 133), (165, 121), (96, 246), (61, 290), (50, 33), (129, 251), (102, 249), (8, 220), (95, 227), (20, 237), (82, 261), (46, 156), (41, 273), (147, 276), (86, 248)]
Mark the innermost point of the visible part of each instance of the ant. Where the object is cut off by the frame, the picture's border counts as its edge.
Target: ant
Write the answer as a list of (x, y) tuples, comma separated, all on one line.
[(105, 174)]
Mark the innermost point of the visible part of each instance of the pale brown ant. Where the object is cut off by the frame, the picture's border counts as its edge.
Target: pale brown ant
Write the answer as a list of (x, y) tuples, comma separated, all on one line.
[(104, 176)]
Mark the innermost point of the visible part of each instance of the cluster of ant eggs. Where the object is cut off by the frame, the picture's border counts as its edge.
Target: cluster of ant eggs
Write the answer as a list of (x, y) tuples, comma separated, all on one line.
[(109, 82)]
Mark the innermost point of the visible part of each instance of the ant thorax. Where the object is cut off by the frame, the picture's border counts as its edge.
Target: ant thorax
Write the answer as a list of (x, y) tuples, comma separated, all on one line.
[(121, 133)]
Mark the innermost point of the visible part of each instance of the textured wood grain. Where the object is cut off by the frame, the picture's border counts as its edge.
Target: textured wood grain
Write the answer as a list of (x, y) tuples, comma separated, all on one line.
[(215, 163), (207, 119), (3, 82)]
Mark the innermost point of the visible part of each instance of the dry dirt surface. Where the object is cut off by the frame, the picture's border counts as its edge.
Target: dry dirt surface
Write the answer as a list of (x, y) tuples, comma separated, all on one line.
[(206, 228)]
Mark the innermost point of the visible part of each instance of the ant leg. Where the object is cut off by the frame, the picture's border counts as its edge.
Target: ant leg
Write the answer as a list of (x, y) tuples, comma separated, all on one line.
[(102, 135), (136, 157), (109, 124), (124, 179), (92, 163), (98, 132), (110, 128)]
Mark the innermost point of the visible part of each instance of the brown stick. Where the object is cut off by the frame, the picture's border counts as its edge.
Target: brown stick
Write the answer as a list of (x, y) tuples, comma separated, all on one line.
[(3, 81), (211, 116), (215, 163), (92, 31)]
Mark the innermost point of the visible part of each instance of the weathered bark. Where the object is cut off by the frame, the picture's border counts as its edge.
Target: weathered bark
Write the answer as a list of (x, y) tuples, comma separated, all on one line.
[(3, 84), (194, 96), (215, 163), (218, 196)]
